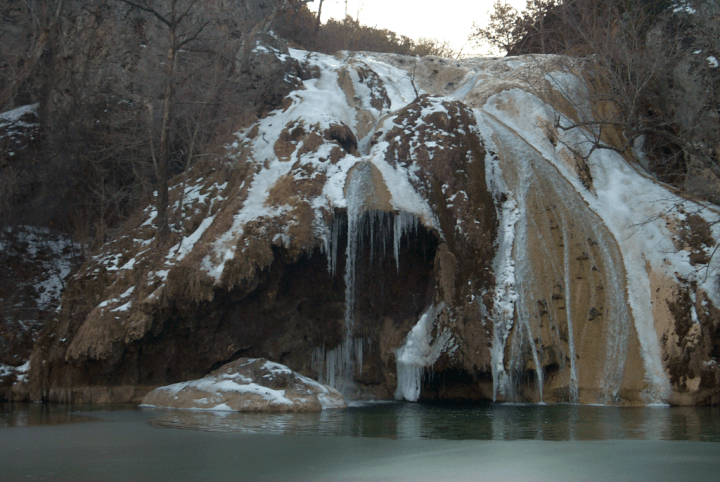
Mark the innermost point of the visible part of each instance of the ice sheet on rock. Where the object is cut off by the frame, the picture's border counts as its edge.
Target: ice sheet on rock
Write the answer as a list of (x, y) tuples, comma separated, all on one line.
[(210, 392), (420, 350), (628, 204), (226, 384), (398, 82), (404, 197)]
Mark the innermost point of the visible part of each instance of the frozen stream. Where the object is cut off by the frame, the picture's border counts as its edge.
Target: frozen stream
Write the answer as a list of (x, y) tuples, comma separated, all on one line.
[(388, 441)]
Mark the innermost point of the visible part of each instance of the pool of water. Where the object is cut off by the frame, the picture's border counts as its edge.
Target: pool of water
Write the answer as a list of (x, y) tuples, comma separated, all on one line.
[(401, 420), (467, 422), (371, 441)]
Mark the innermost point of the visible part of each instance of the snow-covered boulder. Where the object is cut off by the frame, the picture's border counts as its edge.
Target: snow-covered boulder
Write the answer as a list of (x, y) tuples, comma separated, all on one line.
[(248, 385)]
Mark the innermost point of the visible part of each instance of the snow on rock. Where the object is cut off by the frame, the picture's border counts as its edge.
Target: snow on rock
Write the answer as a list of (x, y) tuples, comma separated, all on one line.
[(556, 273), (248, 385), (20, 134), (37, 263)]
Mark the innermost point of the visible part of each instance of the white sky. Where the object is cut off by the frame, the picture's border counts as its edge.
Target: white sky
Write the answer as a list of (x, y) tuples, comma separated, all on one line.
[(442, 19)]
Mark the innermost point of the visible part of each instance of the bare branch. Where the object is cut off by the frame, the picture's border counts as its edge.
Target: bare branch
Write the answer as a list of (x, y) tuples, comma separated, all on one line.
[(147, 9)]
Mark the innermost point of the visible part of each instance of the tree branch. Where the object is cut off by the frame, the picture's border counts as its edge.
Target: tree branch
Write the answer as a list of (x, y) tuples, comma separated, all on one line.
[(149, 10)]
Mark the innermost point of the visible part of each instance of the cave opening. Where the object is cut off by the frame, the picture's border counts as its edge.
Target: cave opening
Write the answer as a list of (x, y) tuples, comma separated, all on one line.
[(387, 262), (456, 385), (294, 312)]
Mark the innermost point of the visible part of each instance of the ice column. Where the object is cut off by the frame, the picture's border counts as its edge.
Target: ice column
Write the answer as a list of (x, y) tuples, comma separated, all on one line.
[(418, 352), (340, 364)]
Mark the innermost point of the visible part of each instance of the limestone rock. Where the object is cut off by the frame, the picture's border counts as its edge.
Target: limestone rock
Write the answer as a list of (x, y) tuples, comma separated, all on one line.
[(365, 233), (248, 385)]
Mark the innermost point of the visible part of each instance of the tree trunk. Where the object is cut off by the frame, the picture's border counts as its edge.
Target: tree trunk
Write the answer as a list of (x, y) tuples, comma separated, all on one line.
[(317, 21), (164, 158)]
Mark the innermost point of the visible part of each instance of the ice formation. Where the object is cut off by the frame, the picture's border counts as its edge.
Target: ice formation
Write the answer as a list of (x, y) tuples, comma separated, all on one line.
[(419, 351)]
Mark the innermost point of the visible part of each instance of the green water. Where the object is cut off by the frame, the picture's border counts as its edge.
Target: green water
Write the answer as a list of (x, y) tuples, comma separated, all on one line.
[(373, 442), (468, 422), (399, 420)]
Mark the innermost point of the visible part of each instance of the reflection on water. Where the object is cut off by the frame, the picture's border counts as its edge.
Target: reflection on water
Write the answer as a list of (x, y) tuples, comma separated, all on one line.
[(467, 421), (20, 415), (400, 420)]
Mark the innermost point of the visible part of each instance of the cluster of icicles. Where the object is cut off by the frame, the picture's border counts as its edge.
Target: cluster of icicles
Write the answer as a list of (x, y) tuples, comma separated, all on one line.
[(338, 366)]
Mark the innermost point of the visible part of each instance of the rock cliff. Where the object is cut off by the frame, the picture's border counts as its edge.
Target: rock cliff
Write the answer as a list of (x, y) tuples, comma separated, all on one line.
[(418, 228)]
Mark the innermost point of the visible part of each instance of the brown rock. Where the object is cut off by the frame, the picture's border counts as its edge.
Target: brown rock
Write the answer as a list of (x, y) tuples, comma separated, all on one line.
[(248, 385)]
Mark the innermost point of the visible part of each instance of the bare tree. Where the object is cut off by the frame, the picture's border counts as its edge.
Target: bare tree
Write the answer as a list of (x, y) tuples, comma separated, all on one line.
[(439, 48), (181, 30), (501, 31), (317, 21), (23, 52), (279, 8)]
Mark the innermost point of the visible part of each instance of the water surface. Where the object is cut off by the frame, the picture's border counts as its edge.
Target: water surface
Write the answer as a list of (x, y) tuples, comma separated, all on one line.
[(373, 442), (486, 421)]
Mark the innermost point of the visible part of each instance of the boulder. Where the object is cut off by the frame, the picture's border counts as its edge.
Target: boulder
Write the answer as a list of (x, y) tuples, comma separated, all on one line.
[(248, 385)]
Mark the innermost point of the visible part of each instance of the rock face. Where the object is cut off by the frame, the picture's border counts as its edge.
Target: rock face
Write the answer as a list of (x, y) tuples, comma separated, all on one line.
[(36, 263), (413, 228), (248, 385)]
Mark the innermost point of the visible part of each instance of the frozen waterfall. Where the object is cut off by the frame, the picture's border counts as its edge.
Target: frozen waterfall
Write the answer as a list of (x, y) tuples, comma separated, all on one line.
[(371, 232), (418, 352)]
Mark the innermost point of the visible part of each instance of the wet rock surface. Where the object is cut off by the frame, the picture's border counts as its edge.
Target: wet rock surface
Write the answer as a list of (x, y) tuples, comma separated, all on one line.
[(248, 385)]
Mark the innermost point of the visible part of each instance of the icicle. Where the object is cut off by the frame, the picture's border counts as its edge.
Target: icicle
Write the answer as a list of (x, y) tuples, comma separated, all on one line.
[(573, 385), (335, 234), (331, 243), (404, 222)]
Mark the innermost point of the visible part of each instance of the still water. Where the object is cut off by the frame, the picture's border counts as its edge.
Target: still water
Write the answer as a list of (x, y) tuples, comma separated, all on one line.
[(400, 420), (468, 422), (371, 441)]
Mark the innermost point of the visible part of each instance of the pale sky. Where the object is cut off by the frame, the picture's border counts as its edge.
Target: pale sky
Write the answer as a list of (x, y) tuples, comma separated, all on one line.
[(442, 19)]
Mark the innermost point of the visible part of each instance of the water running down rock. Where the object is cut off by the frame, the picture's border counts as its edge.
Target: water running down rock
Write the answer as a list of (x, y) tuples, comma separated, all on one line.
[(520, 271)]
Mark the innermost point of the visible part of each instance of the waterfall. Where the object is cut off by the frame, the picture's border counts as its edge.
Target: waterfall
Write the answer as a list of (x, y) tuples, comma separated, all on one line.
[(520, 284), (573, 385), (342, 362), (338, 366)]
